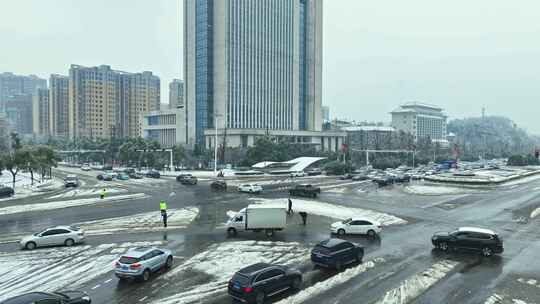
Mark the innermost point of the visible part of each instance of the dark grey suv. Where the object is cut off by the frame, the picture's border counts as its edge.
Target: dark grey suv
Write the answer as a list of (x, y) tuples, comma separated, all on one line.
[(485, 241), (258, 282)]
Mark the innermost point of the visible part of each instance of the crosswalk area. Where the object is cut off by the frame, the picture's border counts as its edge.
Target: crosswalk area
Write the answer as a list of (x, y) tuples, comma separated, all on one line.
[(52, 269)]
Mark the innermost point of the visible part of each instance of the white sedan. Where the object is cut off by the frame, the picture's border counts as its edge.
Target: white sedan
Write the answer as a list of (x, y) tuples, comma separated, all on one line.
[(59, 235), (357, 226), (250, 188), (297, 174)]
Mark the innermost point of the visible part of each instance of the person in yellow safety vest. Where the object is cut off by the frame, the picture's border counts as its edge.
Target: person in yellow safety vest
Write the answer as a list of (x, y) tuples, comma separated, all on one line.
[(163, 209), (103, 193)]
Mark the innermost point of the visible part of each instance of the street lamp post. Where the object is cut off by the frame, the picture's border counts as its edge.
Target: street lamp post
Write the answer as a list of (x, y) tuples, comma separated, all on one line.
[(215, 144)]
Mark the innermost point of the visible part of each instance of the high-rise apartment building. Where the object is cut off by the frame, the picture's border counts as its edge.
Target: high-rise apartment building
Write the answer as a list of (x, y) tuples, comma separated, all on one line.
[(19, 113), (422, 121), (58, 105), (252, 65), (176, 94), (40, 112), (11, 84), (109, 103)]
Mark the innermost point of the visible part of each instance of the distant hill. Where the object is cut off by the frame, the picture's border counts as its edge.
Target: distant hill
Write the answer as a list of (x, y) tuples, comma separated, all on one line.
[(492, 137)]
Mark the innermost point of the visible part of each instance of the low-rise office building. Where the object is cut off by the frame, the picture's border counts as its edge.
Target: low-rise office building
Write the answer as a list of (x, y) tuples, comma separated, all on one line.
[(167, 127)]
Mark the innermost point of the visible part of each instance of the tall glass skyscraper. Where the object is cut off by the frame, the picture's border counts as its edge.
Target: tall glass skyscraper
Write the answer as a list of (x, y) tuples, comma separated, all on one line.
[(252, 64)]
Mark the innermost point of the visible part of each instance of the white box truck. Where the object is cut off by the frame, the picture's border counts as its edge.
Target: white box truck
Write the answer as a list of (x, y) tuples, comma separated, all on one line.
[(258, 217)]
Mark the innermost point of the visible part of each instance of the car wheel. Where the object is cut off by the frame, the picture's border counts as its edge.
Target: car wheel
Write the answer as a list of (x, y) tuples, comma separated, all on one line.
[(69, 242), (169, 262), (371, 233), (231, 231), (487, 252), (30, 246), (443, 246), (339, 266), (296, 283), (341, 232), (259, 299), (359, 257), (146, 275)]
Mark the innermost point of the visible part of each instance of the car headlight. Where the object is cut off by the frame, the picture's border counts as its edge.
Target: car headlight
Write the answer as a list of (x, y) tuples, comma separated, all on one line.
[(86, 298)]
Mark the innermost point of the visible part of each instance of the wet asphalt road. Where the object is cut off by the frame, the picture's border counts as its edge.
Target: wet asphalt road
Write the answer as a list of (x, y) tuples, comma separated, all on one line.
[(406, 249)]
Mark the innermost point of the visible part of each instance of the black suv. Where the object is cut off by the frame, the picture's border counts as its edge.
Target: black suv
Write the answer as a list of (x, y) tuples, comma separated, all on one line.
[(63, 297), (186, 179), (305, 190), (335, 253), (481, 240), (153, 174), (258, 282)]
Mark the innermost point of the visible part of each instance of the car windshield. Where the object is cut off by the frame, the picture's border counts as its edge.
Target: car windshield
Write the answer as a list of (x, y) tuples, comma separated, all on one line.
[(65, 297)]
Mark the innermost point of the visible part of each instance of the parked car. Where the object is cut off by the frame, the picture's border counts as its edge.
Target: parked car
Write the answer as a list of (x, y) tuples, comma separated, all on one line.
[(6, 191), (153, 174), (402, 178), (297, 174), (86, 167), (129, 171), (122, 176), (189, 180), (55, 236), (136, 175), (306, 190), (384, 180), (57, 297), (314, 172), (258, 282), (336, 253), (71, 181), (357, 225), (218, 185), (250, 188), (141, 262), (360, 177), (485, 241), (345, 176)]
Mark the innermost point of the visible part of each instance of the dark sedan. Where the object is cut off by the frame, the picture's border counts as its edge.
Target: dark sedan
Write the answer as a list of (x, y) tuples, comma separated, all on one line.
[(60, 297), (336, 253), (258, 282), (485, 241)]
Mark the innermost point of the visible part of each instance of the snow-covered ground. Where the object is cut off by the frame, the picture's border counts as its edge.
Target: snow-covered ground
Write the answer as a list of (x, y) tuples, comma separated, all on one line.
[(535, 213), (304, 295), (51, 269), (332, 210), (417, 284), (148, 221), (437, 190), (95, 191), (24, 187), (68, 203), (221, 261)]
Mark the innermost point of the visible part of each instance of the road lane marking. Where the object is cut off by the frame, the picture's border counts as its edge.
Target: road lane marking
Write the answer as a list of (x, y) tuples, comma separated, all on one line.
[(96, 287), (108, 281), (143, 299)]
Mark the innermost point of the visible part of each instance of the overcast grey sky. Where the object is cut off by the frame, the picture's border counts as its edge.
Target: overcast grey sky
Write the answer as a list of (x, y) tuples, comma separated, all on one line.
[(461, 55)]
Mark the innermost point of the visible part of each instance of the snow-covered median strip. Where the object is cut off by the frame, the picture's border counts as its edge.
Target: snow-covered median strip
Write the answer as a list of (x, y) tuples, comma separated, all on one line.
[(437, 190), (68, 204), (417, 284), (321, 287), (221, 261), (333, 211), (494, 299), (87, 192), (142, 222)]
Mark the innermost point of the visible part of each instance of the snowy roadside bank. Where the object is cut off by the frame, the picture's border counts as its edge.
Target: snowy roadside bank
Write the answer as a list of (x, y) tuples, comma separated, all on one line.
[(68, 204), (484, 178), (333, 211)]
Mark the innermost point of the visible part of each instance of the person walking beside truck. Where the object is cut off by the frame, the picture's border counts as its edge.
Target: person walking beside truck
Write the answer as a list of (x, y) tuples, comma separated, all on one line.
[(303, 214), (289, 209)]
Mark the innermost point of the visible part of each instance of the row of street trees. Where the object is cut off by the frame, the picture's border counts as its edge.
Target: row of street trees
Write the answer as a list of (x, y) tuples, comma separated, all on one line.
[(36, 159)]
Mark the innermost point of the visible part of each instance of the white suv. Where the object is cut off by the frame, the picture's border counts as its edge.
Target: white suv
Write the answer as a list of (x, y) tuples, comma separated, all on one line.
[(60, 235), (250, 188), (356, 225)]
